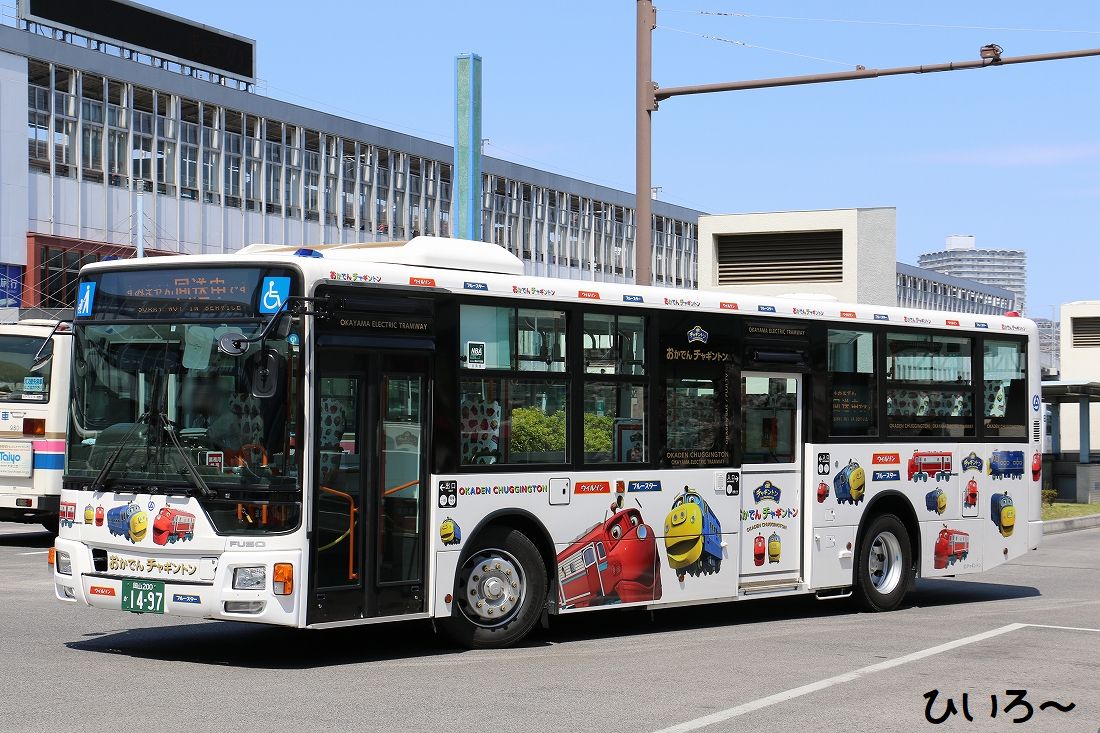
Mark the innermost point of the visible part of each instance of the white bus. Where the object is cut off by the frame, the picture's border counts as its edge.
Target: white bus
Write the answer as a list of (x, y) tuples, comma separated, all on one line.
[(360, 433), (34, 399)]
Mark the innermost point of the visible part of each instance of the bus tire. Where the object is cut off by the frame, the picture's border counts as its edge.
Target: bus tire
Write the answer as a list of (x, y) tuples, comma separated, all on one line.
[(884, 566), (499, 593), (51, 523)]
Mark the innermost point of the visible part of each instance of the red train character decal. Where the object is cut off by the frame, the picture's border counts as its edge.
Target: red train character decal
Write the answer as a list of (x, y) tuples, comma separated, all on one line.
[(952, 546), (759, 550), (1036, 467), (930, 464), (616, 560), (99, 516), (822, 492), (172, 525), (970, 498)]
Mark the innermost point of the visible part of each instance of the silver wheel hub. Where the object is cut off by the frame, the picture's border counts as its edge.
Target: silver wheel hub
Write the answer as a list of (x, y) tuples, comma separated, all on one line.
[(494, 587), (884, 564)]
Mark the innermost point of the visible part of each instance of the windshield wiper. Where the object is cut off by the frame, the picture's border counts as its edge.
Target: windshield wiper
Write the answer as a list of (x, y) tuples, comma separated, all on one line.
[(109, 464), (196, 478)]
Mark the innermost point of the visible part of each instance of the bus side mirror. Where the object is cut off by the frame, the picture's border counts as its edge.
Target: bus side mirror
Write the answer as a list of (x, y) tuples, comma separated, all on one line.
[(266, 374)]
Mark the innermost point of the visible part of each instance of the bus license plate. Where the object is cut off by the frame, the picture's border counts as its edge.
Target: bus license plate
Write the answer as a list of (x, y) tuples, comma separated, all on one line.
[(143, 596)]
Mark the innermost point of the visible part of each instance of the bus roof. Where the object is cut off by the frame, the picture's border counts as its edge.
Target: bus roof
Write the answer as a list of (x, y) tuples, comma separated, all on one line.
[(481, 268)]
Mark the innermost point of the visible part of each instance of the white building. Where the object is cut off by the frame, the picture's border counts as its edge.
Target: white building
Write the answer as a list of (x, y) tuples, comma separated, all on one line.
[(1002, 268)]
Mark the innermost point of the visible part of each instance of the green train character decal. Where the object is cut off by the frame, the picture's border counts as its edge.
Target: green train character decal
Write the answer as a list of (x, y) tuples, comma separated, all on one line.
[(1003, 513)]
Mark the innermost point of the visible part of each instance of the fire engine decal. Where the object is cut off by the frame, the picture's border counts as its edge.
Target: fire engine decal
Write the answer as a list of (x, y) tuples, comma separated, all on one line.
[(935, 501), (1006, 464), (614, 562), (67, 513), (850, 484), (693, 536), (128, 521), (449, 532), (172, 525), (926, 465), (972, 462), (952, 546)]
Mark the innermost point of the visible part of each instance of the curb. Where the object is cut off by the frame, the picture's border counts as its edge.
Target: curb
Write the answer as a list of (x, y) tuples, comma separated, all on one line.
[(1057, 526)]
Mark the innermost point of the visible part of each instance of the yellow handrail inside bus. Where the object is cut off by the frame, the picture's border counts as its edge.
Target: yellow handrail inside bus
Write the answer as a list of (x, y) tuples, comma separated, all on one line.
[(352, 575)]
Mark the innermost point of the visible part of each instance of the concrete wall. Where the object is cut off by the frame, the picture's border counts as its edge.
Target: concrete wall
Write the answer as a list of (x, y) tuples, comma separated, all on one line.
[(868, 249), (13, 159), (1078, 365)]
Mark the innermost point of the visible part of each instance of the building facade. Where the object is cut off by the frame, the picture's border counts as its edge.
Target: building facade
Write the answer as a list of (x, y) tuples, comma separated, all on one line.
[(1001, 268), (920, 288), (105, 149)]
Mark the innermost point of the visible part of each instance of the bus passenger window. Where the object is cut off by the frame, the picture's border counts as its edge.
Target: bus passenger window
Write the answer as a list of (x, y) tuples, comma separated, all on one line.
[(1004, 386)]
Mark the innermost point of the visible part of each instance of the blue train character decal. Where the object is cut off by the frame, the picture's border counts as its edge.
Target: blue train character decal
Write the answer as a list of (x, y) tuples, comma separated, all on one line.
[(935, 501), (850, 483), (128, 521), (1006, 464), (1002, 511), (693, 536)]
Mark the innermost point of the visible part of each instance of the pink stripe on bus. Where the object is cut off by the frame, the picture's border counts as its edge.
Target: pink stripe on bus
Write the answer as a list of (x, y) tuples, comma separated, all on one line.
[(50, 445)]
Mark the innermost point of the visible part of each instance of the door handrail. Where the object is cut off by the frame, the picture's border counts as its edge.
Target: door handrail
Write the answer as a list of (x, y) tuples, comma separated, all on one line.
[(352, 575)]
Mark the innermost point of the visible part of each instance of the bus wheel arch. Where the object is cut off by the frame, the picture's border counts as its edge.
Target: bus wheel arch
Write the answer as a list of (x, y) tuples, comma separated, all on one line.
[(508, 553), (888, 529)]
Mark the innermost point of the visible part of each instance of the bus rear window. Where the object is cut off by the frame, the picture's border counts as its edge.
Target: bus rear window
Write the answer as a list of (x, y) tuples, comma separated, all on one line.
[(17, 382)]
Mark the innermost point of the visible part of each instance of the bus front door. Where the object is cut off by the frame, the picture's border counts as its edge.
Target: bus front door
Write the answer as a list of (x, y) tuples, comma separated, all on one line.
[(368, 520), (771, 480)]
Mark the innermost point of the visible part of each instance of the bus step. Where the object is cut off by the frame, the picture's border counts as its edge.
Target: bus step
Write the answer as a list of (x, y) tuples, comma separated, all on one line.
[(770, 586), (833, 594)]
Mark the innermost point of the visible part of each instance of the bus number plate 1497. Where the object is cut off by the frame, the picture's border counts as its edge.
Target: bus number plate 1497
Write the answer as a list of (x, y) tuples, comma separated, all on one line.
[(143, 596)]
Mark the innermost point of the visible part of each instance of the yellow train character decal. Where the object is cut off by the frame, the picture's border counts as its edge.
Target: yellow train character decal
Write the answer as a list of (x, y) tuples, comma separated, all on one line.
[(1003, 513), (693, 536), (449, 532), (774, 546)]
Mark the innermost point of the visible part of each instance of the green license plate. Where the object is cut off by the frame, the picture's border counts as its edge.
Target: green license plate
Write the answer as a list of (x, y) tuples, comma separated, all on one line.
[(143, 596)]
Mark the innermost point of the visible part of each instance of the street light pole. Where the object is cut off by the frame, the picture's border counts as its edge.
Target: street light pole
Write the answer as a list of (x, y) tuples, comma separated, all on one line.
[(649, 94)]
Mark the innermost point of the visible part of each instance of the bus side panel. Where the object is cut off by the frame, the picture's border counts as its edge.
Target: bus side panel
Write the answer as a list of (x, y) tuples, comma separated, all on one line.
[(612, 540), (948, 485)]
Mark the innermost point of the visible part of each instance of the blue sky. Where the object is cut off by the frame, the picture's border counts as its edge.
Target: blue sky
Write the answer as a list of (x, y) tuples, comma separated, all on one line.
[(1008, 154)]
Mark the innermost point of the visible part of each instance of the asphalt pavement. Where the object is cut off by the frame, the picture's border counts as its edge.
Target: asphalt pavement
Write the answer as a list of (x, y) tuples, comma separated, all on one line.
[(796, 664)]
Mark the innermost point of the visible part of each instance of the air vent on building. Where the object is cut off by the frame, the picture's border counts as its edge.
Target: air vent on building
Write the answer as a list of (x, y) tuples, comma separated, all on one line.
[(758, 258), (1086, 332)]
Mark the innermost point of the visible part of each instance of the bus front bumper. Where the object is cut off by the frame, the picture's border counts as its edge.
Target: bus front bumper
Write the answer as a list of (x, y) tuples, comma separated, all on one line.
[(211, 599)]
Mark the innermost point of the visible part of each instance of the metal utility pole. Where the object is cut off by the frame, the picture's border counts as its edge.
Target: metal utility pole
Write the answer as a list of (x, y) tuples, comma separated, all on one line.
[(650, 94)]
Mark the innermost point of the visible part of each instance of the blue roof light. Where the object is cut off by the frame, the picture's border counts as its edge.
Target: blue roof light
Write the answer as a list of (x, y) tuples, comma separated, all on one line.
[(307, 252)]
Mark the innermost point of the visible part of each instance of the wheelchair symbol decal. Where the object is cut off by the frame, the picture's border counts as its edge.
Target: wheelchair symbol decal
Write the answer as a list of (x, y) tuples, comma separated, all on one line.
[(273, 294)]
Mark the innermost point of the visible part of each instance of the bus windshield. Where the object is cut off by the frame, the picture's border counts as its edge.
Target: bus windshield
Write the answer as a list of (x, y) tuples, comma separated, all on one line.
[(155, 404), (18, 383)]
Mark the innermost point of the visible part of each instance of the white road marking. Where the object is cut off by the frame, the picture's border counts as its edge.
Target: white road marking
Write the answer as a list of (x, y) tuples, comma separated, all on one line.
[(36, 552), (1062, 628), (724, 715)]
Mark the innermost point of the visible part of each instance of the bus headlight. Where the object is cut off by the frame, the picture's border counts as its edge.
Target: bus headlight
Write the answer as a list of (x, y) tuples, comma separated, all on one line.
[(249, 578), (62, 563)]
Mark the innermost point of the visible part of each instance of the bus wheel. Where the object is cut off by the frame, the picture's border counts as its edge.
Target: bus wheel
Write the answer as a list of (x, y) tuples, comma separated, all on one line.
[(51, 524), (499, 592), (883, 569)]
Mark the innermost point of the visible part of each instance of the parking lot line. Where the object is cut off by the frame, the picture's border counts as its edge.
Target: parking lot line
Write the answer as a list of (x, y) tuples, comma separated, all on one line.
[(723, 715), (36, 552)]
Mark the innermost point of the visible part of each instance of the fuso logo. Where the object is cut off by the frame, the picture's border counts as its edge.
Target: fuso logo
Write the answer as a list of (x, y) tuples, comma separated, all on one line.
[(100, 590), (592, 487), (424, 281), (886, 459)]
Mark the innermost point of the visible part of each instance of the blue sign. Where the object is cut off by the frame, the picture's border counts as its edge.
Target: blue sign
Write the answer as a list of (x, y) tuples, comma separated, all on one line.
[(1035, 402), (766, 491), (886, 476), (643, 486), (698, 333), (881, 317), (766, 308), (475, 286), (34, 384), (273, 294), (85, 299), (181, 598), (11, 286), (633, 299), (980, 324)]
